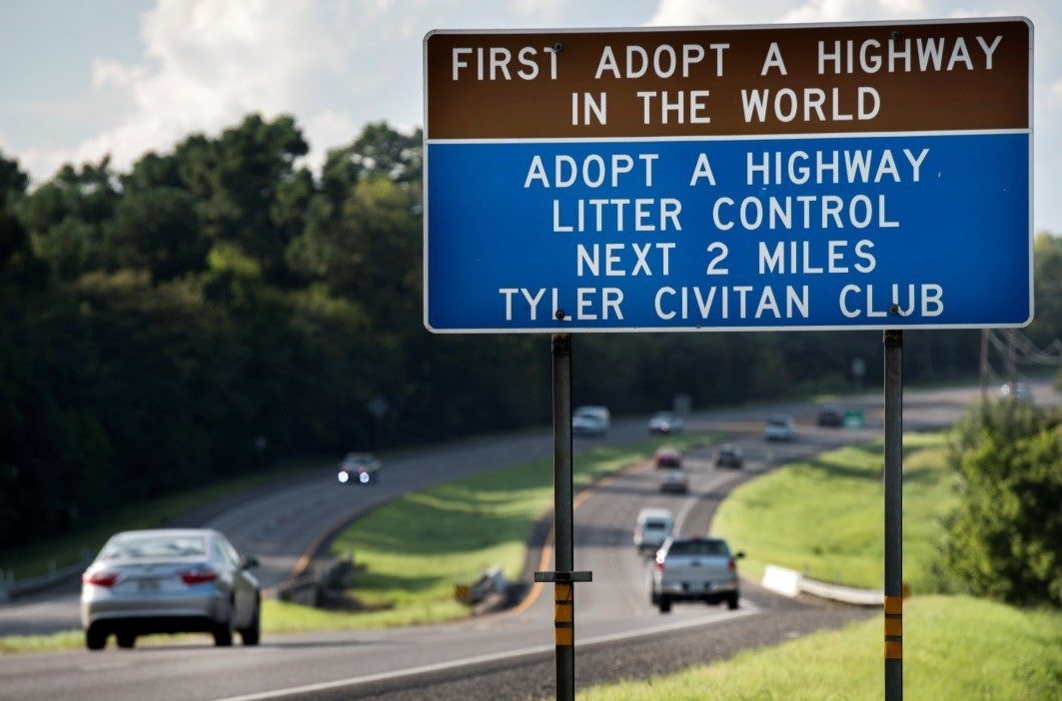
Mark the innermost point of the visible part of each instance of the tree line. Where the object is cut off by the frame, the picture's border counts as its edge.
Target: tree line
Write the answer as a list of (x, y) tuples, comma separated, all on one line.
[(220, 305)]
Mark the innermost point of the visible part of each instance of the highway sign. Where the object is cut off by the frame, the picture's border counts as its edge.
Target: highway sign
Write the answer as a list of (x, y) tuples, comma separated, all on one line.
[(863, 176)]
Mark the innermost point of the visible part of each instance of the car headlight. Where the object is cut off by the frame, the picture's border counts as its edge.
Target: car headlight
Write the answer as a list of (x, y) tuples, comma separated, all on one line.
[(363, 477), (344, 477)]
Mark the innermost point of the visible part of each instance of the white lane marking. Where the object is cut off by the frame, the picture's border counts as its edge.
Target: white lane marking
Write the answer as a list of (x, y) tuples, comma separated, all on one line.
[(748, 610)]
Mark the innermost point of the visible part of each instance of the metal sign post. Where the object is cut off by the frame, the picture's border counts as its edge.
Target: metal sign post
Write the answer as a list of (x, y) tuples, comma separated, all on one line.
[(563, 577), (893, 476)]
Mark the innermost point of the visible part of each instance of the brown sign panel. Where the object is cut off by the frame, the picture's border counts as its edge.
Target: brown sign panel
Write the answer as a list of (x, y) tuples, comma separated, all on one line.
[(722, 81)]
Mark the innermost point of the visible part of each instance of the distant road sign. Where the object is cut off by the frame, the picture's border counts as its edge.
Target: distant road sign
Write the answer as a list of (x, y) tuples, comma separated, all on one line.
[(864, 176)]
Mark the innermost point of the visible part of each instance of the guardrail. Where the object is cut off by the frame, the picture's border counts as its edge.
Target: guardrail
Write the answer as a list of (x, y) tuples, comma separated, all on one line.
[(787, 582), (313, 587), (11, 588)]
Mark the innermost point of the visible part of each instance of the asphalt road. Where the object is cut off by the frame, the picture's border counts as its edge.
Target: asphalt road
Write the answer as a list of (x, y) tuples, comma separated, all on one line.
[(502, 656)]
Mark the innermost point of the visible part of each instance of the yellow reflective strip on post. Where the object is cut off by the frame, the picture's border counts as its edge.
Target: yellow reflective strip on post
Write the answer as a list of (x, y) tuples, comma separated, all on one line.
[(893, 650), (564, 614), (893, 604), (894, 627)]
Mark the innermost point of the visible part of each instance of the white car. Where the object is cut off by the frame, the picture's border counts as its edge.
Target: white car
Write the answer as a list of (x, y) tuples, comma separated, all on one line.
[(591, 421), (182, 580), (676, 480), (653, 527), (1017, 392), (780, 428)]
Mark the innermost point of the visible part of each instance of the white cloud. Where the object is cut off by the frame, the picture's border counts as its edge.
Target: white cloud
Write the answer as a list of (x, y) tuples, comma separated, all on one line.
[(207, 64), (690, 12)]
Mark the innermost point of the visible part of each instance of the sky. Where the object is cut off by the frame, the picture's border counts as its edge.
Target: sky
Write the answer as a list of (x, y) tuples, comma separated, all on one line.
[(81, 80)]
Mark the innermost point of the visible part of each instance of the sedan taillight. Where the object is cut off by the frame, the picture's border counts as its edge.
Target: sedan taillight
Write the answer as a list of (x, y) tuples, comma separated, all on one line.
[(198, 576), (100, 578)]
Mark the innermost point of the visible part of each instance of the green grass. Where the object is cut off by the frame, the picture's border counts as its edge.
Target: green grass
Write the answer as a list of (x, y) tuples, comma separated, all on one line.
[(825, 517), (955, 649)]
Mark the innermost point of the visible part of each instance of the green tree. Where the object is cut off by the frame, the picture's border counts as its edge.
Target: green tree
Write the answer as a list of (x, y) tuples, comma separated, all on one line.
[(1004, 541), (66, 218), (247, 187), (158, 230)]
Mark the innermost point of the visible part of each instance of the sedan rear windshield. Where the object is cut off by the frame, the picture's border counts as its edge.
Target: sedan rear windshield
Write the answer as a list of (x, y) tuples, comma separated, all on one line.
[(156, 546)]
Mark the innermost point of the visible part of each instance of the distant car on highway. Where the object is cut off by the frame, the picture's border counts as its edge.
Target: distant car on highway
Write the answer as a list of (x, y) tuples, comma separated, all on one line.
[(666, 423), (359, 468), (730, 455), (169, 581), (1016, 392), (780, 427), (591, 421), (675, 481), (830, 416), (689, 568), (652, 528), (667, 457)]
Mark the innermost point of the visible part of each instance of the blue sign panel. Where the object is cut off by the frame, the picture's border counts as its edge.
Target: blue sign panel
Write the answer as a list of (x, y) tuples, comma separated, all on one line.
[(914, 230)]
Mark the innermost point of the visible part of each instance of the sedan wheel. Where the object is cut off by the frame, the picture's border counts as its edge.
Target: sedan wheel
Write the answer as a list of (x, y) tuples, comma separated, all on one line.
[(223, 631), (126, 640), (253, 633)]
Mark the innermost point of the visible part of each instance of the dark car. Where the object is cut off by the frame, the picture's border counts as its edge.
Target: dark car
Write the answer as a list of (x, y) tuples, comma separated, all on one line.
[(359, 468), (667, 458), (730, 455), (172, 580), (831, 416)]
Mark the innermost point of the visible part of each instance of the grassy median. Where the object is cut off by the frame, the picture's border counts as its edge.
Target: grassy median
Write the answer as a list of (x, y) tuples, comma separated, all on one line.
[(411, 553)]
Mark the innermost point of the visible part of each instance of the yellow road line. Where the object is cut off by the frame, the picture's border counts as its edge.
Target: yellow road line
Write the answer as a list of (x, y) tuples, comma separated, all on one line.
[(547, 549)]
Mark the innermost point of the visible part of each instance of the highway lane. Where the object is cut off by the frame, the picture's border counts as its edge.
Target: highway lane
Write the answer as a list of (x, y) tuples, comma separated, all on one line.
[(614, 605)]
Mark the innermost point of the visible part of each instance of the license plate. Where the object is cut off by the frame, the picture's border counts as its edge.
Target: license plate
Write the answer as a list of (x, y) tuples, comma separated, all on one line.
[(148, 585)]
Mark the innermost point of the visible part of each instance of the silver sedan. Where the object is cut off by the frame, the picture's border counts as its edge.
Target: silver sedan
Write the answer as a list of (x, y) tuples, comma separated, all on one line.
[(169, 581)]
